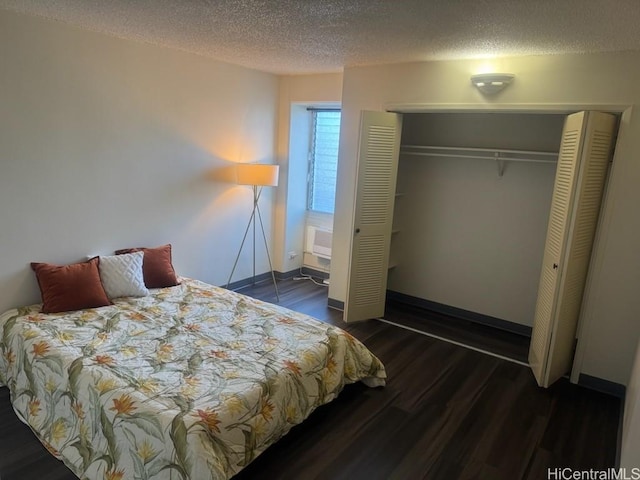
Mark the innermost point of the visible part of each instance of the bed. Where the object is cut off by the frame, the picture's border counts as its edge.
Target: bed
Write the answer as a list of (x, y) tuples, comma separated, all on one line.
[(191, 381)]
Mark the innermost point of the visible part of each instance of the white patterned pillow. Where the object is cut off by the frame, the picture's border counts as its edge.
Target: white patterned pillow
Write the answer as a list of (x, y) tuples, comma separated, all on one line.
[(121, 275)]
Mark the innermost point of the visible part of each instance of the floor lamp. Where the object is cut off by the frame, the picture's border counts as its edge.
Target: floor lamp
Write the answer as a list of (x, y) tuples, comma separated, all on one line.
[(258, 176)]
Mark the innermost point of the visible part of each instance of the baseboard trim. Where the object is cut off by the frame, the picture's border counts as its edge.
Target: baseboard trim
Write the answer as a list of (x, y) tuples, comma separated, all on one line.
[(456, 312), (238, 284), (245, 282), (315, 273), (286, 275), (335, 304), (601, 385)]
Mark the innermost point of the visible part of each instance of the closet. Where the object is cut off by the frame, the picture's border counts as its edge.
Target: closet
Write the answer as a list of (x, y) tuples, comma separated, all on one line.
[(465, 210), (476, 191)]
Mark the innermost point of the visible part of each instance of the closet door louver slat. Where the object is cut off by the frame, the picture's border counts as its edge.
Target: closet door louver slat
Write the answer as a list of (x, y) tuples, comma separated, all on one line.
[(556, 234), (580, 179), (375, 195)]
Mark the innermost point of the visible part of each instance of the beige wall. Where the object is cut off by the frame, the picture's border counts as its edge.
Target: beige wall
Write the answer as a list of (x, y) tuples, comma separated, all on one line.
[(106, 143), (296, 93), (610, 321)]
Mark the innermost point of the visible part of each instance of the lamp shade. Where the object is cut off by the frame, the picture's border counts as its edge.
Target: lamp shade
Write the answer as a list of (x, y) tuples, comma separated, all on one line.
[(257, 174)]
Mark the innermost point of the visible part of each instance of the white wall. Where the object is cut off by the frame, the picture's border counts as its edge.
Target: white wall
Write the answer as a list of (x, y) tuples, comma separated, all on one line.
[(467, 237), (107, 143), (296, 93), (612, 305)]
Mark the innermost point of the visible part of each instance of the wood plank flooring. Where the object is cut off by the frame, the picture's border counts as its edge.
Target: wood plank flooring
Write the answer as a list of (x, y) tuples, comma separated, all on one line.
[(447, 412), (500, 342)]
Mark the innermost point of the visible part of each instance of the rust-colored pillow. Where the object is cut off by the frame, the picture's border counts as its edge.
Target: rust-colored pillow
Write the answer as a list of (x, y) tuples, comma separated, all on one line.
[(157, 268), (70, 287)]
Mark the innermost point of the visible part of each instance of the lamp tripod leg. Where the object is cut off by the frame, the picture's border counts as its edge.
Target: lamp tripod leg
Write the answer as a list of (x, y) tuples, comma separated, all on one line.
[(252, 221), (244, 238), (266, 246)]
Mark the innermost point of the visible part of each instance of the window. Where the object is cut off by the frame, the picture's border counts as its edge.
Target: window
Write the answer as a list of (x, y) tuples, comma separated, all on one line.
[(323, 167)]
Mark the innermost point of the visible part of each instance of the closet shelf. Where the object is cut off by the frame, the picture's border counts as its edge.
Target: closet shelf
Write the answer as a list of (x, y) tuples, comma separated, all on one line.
[(500, 155)]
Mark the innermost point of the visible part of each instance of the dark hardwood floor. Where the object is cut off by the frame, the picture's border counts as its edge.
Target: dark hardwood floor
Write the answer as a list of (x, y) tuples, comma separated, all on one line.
[(483, 337), (447, 412)]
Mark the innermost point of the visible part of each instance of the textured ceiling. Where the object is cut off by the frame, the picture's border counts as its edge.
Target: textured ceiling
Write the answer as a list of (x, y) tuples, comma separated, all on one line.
[(309, 36)]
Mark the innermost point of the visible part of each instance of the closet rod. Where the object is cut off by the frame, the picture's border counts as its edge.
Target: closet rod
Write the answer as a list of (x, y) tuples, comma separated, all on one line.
[(499, 155), (481, 153), (553, 155), (479, 157)]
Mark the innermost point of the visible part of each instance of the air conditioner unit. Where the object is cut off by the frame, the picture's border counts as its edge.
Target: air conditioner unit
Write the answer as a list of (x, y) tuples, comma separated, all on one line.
[(319, 242)]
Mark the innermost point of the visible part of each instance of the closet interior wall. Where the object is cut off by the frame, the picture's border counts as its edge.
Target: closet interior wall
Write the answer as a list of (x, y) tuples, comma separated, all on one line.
[(464, 236)]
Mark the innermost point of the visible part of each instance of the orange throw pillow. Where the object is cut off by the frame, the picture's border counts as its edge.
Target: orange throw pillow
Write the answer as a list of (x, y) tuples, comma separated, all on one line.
[(157, 268), (70, 287)]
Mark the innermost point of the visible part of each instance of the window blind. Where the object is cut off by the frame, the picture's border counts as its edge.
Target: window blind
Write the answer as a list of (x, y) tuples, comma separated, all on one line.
[(324, 160)]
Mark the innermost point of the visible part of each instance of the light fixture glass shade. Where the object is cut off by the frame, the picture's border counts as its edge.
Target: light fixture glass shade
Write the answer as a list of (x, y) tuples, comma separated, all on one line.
[(257, 174), (490, 83)]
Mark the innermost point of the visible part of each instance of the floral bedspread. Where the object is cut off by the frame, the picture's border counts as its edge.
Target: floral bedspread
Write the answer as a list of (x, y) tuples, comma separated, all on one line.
[(191, 382)]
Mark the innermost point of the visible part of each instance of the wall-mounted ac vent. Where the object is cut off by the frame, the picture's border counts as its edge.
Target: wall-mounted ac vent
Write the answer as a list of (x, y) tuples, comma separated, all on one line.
[(319, 242)]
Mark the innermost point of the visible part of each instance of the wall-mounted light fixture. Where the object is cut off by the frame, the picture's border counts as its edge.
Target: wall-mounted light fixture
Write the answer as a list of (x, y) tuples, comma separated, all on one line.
[(491, 83)]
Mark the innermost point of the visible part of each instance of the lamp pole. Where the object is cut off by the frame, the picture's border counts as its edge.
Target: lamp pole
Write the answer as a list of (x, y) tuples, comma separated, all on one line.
[(255, 208), (254, 175)]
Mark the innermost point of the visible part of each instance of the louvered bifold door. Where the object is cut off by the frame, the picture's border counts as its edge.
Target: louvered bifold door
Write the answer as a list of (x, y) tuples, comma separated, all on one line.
[(373, 216), (557, 229), (582, 168)]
